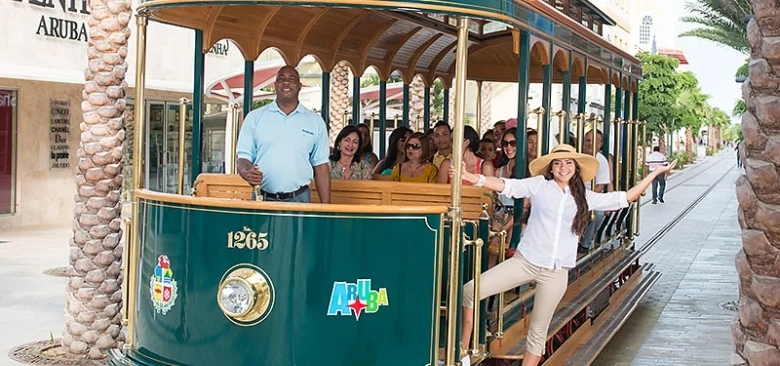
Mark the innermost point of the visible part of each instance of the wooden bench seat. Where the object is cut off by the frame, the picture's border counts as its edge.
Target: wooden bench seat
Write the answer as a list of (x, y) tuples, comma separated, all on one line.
[(353, 192)]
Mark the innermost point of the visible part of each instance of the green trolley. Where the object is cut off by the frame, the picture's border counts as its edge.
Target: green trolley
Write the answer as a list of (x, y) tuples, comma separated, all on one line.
[(213, 277)]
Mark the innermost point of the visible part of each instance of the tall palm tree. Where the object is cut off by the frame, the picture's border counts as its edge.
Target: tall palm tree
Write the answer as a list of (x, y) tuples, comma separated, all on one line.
[(757, 330), (485, 120), (692, 112), (719, 21), (339, 98), (93, 294), (416, 102)]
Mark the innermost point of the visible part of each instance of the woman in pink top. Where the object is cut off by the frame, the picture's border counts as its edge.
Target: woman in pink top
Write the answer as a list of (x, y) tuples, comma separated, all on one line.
[(474, 164)]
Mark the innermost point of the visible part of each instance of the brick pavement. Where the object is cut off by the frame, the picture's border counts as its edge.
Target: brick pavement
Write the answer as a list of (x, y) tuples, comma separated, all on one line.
[(680, 322)]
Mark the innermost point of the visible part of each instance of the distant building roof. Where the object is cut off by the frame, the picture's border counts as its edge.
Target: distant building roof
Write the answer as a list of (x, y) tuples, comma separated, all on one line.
[(594, 10), (671, 52)]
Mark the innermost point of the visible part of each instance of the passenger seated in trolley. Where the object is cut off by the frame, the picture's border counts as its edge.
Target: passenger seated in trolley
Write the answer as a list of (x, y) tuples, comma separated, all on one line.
[(347, 160), (395, 151), (546, 252), (415, 168), (470, 153)]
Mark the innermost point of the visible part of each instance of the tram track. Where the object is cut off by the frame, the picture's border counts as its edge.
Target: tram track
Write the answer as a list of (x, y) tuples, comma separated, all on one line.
[(646, 246)]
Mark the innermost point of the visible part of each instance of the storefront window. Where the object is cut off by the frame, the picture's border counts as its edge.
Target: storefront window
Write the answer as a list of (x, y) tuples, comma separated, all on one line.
[(7, 152)]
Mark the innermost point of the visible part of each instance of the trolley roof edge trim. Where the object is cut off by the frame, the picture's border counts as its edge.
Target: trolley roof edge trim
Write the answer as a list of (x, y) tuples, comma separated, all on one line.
[(545, 21)]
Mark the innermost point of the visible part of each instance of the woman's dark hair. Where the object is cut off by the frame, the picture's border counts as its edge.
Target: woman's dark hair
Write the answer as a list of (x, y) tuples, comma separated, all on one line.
[(426, 149), (392, 146), (368, 148), (346, 131), (504, 160), (577, 187), (471, 135)]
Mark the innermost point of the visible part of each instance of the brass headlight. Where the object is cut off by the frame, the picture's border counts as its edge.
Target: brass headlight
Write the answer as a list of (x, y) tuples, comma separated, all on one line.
[(245, 295)]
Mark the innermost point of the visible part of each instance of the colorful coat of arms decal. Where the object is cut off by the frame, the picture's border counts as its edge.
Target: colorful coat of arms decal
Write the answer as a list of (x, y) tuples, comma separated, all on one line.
[(162, 286)]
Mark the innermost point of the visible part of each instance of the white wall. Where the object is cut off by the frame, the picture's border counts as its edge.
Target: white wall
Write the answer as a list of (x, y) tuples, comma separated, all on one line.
[(27, 55)]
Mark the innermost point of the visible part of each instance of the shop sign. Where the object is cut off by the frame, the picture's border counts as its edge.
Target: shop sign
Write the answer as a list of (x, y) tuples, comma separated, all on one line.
[(7, 99), (60, 133), (61, 28), (220, 49)]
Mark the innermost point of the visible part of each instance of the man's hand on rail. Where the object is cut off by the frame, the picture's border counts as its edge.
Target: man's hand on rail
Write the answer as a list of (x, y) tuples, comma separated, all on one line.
[(250, 172)]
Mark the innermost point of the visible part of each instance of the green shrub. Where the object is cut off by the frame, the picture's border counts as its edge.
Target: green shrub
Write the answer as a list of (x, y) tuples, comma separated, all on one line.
[(681, 157)]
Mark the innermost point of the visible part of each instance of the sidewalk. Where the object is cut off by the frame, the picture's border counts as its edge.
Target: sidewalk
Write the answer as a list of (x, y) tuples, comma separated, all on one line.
[(680, 321), (32, 304)]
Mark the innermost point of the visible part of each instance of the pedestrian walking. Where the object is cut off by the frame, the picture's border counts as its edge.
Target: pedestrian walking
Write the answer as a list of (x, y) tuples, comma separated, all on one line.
[(739, 159), (654, 161)]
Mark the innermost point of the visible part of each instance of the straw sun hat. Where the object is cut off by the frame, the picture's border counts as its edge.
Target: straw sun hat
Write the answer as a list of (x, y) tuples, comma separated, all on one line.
[(589, 165)]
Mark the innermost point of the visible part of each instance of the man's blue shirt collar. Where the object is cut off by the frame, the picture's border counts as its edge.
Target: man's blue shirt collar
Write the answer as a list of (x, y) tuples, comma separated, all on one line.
[(274, 107)]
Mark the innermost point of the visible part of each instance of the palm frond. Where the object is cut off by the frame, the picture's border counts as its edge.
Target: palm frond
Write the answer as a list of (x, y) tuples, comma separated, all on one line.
[(721, 21)]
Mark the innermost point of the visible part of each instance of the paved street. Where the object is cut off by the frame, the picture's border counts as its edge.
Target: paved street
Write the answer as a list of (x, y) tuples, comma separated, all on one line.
[(678, 323)]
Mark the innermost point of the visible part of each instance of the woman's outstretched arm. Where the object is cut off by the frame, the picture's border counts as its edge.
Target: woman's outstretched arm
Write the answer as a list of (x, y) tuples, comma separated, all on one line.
[(515, 188), (491, 183), (640, 187)]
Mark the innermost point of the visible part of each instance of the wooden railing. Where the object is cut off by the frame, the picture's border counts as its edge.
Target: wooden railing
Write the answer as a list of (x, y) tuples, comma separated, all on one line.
[(354, 192)]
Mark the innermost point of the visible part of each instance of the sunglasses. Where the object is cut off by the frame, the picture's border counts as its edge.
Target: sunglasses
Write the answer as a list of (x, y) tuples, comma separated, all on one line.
[(506, 143), (413, 146)]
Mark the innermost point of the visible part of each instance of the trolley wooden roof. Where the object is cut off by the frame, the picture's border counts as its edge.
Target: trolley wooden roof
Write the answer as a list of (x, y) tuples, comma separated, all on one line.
[(411, 37)]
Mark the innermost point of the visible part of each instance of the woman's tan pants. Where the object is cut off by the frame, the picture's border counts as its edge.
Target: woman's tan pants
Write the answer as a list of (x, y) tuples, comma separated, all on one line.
[(550, 287)]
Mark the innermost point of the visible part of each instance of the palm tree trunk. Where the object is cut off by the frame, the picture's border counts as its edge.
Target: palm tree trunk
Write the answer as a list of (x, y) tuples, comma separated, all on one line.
[(451, 114), (662, 143), (339, 99), (757, 330), (690, 145), (417, 103), (485, 122), (93, 294)]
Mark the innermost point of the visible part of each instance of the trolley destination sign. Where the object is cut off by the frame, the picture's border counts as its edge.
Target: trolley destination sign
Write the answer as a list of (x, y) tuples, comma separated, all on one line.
[(61, 28)]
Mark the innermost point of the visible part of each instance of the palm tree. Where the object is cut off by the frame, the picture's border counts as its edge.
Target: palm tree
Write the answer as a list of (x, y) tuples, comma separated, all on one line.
[(416, 102), (93, 295), (692, 112), (757, 329), (719, 21), (339, 98), (485, 120), (718, 121)]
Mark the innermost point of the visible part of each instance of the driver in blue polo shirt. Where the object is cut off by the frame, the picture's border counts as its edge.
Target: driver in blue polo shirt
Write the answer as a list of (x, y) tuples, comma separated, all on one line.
[(282, 144)]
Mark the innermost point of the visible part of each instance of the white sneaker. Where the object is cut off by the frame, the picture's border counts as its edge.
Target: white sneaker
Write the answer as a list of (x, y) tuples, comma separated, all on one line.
[(465, 361)]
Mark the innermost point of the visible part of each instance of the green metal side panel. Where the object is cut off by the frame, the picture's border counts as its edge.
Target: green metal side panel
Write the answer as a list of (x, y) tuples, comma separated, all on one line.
[(307, 255)]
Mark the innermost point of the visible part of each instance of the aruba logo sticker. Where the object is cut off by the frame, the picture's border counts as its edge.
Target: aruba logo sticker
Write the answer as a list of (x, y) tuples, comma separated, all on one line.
[(162, 286), (352, 299)]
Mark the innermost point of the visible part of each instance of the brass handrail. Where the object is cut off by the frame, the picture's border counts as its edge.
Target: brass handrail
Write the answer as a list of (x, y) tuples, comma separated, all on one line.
[(182, 130), (455, 210), (562, 136), (541, 133)]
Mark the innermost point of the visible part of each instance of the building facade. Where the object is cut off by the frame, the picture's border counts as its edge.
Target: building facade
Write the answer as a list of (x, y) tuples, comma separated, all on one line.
[(41, 81)]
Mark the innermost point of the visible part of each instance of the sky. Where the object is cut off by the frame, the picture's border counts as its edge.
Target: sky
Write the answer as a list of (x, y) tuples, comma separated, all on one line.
[(714, 65)]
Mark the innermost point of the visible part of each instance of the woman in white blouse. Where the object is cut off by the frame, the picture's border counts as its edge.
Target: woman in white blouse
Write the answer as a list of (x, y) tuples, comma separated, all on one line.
[(548, 247)]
